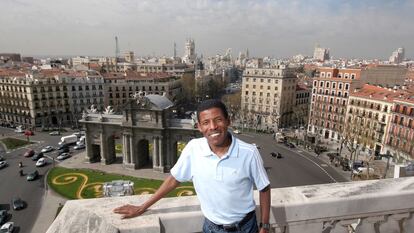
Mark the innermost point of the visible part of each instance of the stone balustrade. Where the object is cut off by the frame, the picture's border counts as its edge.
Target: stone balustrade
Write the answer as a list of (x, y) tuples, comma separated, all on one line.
[(376, 206)]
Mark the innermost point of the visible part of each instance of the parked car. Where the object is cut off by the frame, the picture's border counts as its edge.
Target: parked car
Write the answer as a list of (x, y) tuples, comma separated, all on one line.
[(28, 133), (3, 216), (41, 162), (29, 153), (79, 147), (63, 156), (37, 156), (63, 150), (3, 164), (47, 149), (8, 227), (363, 171), (276, 155), (18, 203), (32, 176), (54, 133)]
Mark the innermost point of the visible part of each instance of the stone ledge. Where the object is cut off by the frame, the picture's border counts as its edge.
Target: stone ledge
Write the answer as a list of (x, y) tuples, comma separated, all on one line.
[(306, 206)]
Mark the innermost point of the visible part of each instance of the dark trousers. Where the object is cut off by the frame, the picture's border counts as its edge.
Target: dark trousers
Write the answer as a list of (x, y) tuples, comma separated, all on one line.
[(249, 226)]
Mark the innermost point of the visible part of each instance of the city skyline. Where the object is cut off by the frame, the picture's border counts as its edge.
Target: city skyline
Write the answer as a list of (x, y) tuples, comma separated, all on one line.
[(351, 29)]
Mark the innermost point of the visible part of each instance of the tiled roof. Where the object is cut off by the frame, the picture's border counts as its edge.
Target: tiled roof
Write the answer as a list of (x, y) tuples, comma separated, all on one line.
[(130, 75), (379, 93)]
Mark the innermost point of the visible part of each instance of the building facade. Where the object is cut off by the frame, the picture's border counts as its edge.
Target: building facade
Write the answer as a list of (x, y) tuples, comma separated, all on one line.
[(400, 139), (368, 117), (330, 93), (120, 87), (268, 97)]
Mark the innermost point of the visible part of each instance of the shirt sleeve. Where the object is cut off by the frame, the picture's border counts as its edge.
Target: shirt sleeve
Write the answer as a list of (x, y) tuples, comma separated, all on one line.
[(258, 172), (182, 169)]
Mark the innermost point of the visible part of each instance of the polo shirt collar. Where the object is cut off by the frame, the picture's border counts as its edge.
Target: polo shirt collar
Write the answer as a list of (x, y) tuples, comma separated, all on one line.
[(232, 151)]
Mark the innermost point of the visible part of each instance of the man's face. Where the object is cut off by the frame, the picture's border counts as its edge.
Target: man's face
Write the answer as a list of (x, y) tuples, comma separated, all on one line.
[(213, 125)]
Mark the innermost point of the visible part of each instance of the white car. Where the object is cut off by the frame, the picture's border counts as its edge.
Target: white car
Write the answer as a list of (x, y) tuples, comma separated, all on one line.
[(63, 156), (8, 227), (3, 164), (363, 171), (41, 162), (79, 147), (47, 149), (54, 133), (236, 131)]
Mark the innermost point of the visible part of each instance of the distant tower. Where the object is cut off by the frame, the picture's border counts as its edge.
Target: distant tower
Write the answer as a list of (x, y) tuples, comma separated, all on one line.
[(175, 50), (189, 54), (321, 54), (247, 53), (397, 56), (116, 53)]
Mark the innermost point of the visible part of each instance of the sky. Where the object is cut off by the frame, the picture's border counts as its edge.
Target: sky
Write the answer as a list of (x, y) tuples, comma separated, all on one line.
[(277, 28)]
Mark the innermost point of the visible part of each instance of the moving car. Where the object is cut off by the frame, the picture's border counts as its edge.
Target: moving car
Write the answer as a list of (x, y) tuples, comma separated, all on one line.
[(3, 216), (60, 147), (3, 164), (8, 227), (37, 156), (29, 153), (63, 156), (276, 155), (236, 131), (18, 203), (41, 162), (290, 145), (63, 150), (47, 149), (79, 147), (54, 133), (32, 176)]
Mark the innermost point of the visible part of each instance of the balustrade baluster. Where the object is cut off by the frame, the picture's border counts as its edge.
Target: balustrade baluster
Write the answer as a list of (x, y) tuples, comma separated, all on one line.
[(367, 225), (392, 223), (343, 226), (408, 224)]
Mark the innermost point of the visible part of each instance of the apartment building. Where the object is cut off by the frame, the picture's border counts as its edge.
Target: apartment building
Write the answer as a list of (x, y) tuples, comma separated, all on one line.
[(302, 104), (400, 139), (47, 98), (269, 95), (330, 92), (119, 87), (368, 117)]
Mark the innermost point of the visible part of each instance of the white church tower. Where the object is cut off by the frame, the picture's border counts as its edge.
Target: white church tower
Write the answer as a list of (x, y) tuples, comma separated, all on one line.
[(189, 53)]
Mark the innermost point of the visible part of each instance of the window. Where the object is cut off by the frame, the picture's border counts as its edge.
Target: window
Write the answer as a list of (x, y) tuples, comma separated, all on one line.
[(327, 84), (333, 84)]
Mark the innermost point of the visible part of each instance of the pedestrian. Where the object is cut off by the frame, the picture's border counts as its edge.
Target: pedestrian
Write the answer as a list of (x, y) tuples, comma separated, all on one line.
[(223, 169)]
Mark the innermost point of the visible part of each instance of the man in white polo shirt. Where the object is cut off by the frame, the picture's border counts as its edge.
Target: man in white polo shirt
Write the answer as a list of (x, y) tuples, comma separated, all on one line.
[(223, 169)]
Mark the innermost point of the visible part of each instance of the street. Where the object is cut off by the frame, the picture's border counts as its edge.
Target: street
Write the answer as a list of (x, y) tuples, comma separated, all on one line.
[(296, 168), (14, 185)]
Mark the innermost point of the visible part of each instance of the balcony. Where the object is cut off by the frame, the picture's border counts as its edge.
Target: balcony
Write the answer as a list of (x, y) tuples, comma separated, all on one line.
[(380, 206)]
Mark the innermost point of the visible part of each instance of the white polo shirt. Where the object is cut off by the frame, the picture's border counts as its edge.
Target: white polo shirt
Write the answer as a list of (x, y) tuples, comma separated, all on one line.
[(224, 185)]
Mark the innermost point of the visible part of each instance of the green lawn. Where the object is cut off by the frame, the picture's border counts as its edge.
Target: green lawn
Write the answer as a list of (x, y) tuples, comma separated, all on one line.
[(70, 182), (13, 143)]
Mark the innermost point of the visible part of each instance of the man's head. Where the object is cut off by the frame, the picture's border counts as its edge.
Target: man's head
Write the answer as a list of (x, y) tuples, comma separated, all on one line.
[(213, 121), (212, 103)]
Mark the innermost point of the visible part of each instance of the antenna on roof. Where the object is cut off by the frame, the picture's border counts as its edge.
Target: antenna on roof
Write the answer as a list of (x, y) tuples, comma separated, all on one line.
[(116, 53)]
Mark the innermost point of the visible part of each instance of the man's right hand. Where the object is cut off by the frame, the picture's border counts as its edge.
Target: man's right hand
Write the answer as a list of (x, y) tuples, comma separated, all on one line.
[(129, 211)]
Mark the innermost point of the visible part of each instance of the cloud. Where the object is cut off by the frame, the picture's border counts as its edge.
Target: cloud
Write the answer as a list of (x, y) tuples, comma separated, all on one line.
[(267, 27)]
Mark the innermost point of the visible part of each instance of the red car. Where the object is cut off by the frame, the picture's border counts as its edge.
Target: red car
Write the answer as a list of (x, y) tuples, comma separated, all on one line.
[(28, 133), (29, 153)]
